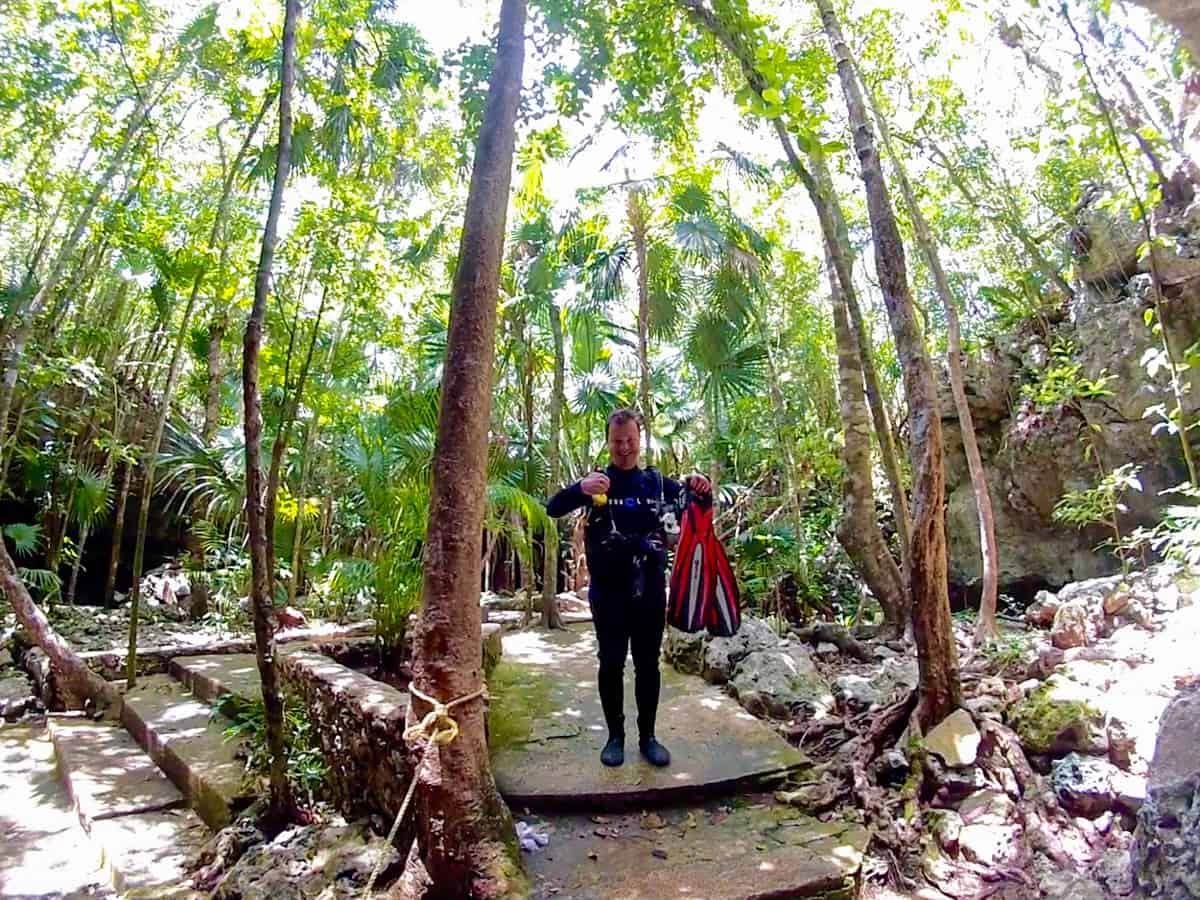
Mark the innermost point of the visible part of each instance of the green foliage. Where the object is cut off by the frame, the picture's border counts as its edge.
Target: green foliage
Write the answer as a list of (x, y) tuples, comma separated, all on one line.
[(307, 768), (26, 538), (1063, 381)]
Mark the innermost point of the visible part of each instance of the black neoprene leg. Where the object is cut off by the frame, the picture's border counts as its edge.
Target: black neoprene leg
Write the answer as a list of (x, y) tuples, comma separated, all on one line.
[(646, 641), (612, 639)]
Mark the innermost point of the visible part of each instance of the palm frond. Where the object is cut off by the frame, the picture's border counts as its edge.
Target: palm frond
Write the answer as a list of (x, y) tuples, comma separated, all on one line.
[(753, 173), (91, 499), (26, 538)]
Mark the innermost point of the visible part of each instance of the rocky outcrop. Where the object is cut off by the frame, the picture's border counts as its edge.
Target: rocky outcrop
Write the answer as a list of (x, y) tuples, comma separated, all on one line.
[(1166, 850), (770, 676), (333, 862), (1034, 453)]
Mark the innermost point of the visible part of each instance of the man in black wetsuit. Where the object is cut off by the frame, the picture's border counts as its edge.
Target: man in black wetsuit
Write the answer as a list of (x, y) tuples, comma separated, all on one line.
[(627, 562)]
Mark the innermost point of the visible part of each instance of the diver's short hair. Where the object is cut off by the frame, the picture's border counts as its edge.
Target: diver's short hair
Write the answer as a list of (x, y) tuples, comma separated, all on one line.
[(620, 417)]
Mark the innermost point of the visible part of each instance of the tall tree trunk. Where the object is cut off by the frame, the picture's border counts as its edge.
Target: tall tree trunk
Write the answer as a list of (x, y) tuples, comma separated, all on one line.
[(843, 265), (637, 227), (550, 614), (110, 466), (819, 186), (79, 680), (310, 436), (284, 433), (261, 575), (212, 394), (122, 504), (937, 655), (139, 552), (466, 844), (858, 531), (985, 629)]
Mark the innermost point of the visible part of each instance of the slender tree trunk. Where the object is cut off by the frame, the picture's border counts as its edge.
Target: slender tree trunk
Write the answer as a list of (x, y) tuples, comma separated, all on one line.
[(114, 554), (212, 394), (310, 436), (858, 531), (262, 576), (466, 844), (284, 433), (819, 186), (985, 629), (837, 248), (550, 615), (22, 323), (79, 680), (109, 468), (937, 655), (637, 227), (139, 552)]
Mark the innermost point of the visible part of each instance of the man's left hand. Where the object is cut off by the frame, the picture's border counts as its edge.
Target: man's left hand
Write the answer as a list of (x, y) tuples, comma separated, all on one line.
[(698, 484)]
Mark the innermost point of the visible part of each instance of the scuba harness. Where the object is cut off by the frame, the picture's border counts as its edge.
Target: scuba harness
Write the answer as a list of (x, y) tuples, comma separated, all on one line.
[(642, 550)]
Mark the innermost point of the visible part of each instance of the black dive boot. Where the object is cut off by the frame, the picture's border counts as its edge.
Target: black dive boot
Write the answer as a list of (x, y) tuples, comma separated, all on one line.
[(613, 753), (656, 754)]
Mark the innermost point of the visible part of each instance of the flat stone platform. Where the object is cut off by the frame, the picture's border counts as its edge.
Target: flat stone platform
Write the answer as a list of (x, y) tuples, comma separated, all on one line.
[(546, 729), (749, 847)]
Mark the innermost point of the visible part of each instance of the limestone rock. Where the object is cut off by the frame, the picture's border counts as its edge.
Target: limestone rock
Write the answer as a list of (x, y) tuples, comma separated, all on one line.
[(1071, 626), (858, 691), (1058, 718), (1105, 244), (684, 651), (1166, 847), (987, 807), (16, 696), (952, 786), (1113, 872), (722, 655), (329, 861), (890, 768), (1129, 792), (955, 739), (1083, 784), (862, 692), (780, 683), (1041, 611), (990, 845), (946, 826)]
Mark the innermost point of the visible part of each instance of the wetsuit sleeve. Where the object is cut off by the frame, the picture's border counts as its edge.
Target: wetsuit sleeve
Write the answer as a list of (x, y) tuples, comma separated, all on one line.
[(567, 500)]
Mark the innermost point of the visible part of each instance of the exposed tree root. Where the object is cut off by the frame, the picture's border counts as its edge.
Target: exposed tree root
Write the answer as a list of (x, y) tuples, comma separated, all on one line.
[(838, 636)]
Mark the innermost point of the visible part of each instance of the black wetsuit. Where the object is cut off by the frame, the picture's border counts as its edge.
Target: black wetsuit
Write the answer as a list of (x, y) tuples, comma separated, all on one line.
[(628, 592)]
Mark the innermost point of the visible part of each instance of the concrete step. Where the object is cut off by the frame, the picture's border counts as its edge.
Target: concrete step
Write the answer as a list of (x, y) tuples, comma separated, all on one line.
[(184, 737), (148, 855), (208, 677), (44, 851), (106, 773)]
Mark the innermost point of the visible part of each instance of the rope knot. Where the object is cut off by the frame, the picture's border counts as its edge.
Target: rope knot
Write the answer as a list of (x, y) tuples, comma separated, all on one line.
[(437, 724)]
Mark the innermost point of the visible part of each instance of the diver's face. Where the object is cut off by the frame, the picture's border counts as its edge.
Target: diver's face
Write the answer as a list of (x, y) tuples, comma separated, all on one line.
[(624, 444)]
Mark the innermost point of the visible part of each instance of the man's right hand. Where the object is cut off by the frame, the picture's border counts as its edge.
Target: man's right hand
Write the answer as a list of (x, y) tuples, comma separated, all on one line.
[(595, 483)]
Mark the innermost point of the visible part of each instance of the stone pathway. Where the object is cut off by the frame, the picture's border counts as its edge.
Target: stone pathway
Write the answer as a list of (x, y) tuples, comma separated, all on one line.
[(547, 728), (43, 850), (700, 828), (719, 850)]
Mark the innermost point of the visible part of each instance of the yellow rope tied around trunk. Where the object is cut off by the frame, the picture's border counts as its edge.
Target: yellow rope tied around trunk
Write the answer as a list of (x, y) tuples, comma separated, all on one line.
[(439, 726)]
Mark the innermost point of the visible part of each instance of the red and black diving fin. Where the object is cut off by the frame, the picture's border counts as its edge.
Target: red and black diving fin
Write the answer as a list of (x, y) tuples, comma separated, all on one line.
[(704, 593)]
